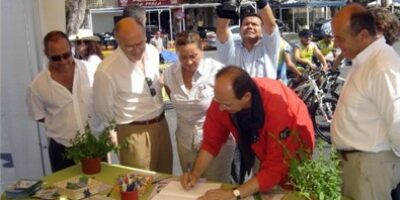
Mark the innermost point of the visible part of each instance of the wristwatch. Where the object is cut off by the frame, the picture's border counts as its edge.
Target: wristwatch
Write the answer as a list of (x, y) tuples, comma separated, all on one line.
[(236, 193)]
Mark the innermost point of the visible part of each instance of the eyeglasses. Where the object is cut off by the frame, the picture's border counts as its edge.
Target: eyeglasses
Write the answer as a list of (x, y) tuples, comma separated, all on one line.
[(63, 56), (150, 84)]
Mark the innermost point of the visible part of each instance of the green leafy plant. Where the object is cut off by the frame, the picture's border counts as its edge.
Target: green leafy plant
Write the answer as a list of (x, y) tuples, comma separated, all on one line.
[(317, 176), (87, 145)]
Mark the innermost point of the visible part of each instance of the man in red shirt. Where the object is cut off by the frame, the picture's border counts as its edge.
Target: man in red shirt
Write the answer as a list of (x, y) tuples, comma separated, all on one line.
[(263, 115)]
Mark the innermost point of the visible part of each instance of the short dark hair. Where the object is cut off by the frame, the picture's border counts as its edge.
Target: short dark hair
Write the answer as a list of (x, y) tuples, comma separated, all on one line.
[(251, 14), (305, 33), (241, 80), (135, 11), (187, 37), (362, 20), (53, 36)]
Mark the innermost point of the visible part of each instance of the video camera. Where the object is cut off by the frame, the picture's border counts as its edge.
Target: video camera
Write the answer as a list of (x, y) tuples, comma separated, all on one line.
[(229, 9)]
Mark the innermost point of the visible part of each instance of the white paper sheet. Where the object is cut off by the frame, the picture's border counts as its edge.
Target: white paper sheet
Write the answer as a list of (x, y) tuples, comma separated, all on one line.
[(175, 191)]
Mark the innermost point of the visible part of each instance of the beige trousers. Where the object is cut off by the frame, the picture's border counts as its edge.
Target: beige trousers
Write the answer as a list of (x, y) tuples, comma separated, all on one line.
[(149, 146), (220, 168), (370, 176)]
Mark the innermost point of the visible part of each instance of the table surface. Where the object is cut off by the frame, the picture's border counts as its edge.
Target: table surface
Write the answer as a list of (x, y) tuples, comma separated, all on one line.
[(110, 173)]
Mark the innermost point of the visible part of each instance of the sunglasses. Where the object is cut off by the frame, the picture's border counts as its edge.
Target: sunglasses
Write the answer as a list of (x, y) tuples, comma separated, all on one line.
[(150, 84), (79, 42), (58, 58)]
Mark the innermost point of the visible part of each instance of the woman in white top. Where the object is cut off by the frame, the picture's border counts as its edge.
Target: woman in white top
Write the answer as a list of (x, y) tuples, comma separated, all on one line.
[(190, 85), (88, 49)]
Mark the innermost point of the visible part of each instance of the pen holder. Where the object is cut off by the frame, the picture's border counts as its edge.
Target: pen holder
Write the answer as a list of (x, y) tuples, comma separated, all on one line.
[(130, 195)]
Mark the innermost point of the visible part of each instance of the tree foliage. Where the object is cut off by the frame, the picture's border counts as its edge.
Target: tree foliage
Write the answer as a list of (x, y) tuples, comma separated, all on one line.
[(75, 10)]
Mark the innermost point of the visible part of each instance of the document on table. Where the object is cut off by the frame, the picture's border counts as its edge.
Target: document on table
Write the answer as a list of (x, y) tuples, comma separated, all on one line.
[(175, 191)]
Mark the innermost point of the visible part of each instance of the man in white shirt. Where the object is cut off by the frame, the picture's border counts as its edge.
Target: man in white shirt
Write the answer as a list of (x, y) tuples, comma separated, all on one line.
[(60, 97), (257, 53), (157, 41), (127, 89), (366, 125)]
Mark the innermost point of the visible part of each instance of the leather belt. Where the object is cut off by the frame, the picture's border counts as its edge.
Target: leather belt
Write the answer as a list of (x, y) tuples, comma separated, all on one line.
[(344, 153), (150, 121)]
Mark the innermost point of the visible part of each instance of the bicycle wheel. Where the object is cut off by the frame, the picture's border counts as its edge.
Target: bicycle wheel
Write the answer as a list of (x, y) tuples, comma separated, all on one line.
[(322, 117)]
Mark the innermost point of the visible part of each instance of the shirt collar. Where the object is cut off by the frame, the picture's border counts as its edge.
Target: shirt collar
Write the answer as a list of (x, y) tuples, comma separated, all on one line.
[(369, 50)]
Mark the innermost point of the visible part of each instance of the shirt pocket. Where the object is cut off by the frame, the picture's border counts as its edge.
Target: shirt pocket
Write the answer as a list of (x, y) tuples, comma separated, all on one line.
[(203, 91)]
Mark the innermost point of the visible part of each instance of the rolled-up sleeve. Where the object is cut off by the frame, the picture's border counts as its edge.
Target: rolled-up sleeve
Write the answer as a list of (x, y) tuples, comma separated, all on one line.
[(226, 51), (36, 108), (272, 43), (103, 96)]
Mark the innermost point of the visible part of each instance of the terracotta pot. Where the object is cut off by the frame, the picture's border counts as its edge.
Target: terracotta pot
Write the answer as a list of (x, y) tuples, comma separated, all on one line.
[(131, 195), (91, 165)]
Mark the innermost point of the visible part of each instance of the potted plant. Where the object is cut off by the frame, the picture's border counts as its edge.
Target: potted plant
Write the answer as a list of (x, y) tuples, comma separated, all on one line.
[(317, 178), (89, 149), (314, 176)]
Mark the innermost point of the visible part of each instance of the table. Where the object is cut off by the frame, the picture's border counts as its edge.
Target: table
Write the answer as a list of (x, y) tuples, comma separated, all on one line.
[(110, 172)]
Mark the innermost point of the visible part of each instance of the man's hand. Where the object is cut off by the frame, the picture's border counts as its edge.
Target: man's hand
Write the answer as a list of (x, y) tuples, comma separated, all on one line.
[(113, 137), (188, 180), (228, 9), (218, 194), (261, 4)]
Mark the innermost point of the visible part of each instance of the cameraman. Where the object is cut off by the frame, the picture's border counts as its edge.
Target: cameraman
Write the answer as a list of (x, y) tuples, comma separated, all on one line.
[(257, 53)]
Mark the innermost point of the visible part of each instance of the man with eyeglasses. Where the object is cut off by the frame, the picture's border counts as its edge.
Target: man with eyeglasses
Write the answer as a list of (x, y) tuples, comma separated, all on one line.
[(127, 89), (269, 122), (60, 97)]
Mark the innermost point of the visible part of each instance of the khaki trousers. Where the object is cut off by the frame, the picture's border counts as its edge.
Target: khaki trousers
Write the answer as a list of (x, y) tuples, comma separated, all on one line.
[(149, 146), (219, 169), (370, 176)]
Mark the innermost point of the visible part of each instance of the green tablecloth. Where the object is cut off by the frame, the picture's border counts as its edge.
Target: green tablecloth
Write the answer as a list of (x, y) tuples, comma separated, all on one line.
[(109, 174)]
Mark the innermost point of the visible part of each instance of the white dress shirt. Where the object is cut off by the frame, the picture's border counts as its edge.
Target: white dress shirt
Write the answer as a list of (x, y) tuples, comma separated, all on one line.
[(367, 116), (260, 61), (92, 63), (121, 92), (191, 105), (64, 112)]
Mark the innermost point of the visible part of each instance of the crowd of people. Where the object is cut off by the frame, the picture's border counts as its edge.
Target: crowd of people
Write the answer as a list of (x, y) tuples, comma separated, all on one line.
[(235, 115)]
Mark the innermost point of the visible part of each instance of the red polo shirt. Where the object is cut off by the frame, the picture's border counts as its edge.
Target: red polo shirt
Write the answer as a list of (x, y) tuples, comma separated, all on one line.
[(283, 110)]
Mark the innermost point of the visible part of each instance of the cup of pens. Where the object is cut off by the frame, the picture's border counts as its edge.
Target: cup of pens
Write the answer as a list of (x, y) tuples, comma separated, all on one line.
[(129, 195), (129, 188)]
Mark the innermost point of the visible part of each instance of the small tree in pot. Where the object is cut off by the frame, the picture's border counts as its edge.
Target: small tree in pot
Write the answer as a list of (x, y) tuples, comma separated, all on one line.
[(89, 148)]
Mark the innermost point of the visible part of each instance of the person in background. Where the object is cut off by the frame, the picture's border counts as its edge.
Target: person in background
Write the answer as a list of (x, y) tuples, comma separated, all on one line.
[(366, 122), (259, 48), (387, 25), (285, 62), (87, 48), (265, 117), (157, 41), (190, 84), (326, 46), (127, 89), (138, 13), (60, 97), (303, 54)]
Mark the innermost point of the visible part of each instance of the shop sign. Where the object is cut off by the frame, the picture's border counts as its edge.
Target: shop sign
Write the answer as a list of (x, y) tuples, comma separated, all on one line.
[(124, 3)]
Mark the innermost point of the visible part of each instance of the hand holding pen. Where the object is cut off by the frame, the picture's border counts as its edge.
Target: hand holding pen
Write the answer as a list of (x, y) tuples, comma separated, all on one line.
[(188, 179)]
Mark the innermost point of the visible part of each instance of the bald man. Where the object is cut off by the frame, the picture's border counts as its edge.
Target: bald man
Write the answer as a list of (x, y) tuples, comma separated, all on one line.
[(366, 124), (261, 114), (127, 90)]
